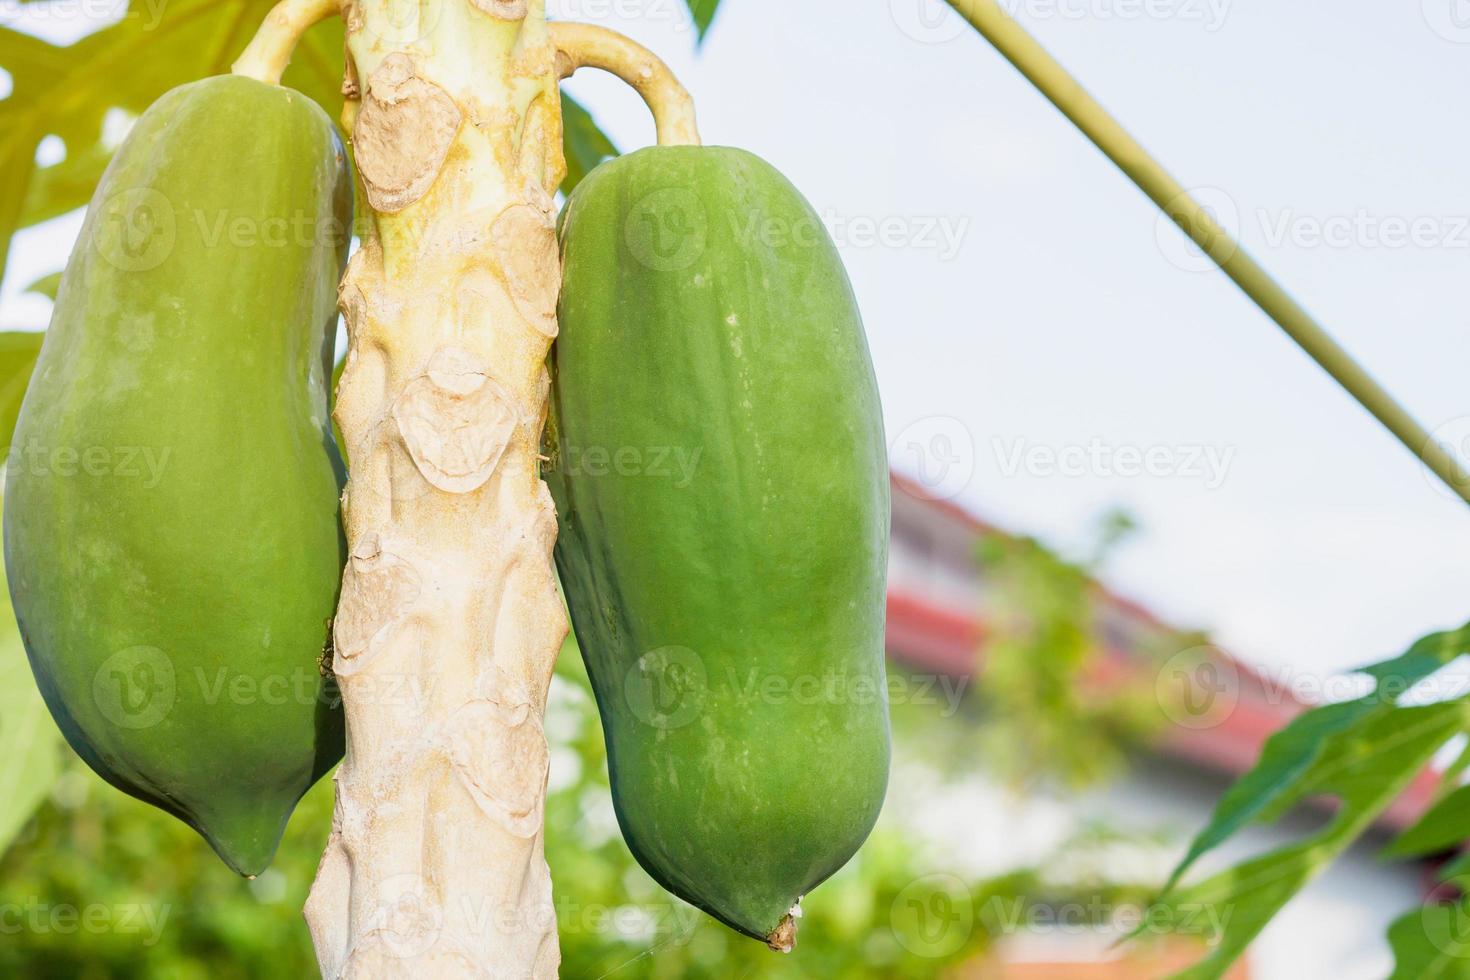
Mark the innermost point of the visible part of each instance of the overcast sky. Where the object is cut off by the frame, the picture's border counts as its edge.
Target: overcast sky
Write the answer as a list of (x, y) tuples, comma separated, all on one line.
[(1041, 340)]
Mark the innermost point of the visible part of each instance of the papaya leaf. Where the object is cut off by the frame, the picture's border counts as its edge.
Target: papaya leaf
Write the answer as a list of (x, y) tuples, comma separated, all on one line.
[(64, 186), (586, 145), (1456, 867), (68, 91), (1365, 759), (1452, 773), (704, 14), (1444, 827), (1432, 942), (1292, 757), (1363, 752), (31, 747), (46, 286), (18, 353), (28, 62)]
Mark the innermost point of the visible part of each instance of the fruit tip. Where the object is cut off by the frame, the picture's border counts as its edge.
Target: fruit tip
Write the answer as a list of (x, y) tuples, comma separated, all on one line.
[(783, 938)]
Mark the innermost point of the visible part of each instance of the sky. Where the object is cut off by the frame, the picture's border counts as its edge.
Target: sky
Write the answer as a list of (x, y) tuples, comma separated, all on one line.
[(1049, 350)]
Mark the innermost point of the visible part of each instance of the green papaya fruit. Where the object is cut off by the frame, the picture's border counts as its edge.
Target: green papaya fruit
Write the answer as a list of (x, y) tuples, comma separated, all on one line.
[(171, 525), (718, 465)]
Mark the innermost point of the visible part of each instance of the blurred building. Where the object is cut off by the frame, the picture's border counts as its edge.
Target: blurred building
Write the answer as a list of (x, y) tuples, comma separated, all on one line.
[(937, 624)]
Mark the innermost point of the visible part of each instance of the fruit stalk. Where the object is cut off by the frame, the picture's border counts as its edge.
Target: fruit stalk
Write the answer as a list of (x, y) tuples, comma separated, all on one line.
[(587, 46), (449, 620), (269, 52)]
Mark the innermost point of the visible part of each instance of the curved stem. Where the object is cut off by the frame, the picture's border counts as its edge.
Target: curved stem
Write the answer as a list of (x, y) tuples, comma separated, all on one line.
[(1068, 95), (268, 53), (587, 46)]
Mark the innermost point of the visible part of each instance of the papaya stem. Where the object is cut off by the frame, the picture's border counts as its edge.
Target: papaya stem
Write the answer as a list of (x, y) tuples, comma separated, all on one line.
[(588, 46), (1067, 94), (436, 868), (268, 53)]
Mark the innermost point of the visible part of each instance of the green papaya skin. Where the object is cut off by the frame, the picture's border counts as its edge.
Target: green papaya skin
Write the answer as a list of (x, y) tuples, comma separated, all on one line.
[(718, 465), (171, 526)]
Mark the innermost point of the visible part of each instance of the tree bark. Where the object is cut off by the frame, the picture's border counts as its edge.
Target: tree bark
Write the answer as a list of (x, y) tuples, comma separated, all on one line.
[(449, 620)]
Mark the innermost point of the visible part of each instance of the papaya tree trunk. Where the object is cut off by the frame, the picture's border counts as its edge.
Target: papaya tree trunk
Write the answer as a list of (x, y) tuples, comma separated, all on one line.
[(449, 620)]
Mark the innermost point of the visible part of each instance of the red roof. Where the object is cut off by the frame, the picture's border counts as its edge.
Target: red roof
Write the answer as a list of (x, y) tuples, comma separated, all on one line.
[(931, 637)]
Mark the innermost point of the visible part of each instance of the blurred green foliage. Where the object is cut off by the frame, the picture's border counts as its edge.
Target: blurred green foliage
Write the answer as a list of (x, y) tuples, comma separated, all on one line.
[(99, 885), (1054, 706)]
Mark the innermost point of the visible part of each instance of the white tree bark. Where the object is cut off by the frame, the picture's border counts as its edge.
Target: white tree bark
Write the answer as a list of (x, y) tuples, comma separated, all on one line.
[(449, 620)]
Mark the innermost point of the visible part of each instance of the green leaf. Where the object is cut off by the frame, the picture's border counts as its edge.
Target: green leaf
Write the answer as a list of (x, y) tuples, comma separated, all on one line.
[(1432, 943), (585, 143), (18, 353), (704, 14), (46, 286), (31, 747), (1366, 766), (29, 62), (1444, 827), (1364, 752), (64, 186), (68, 91), (1283, 774), (1456, 868)]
